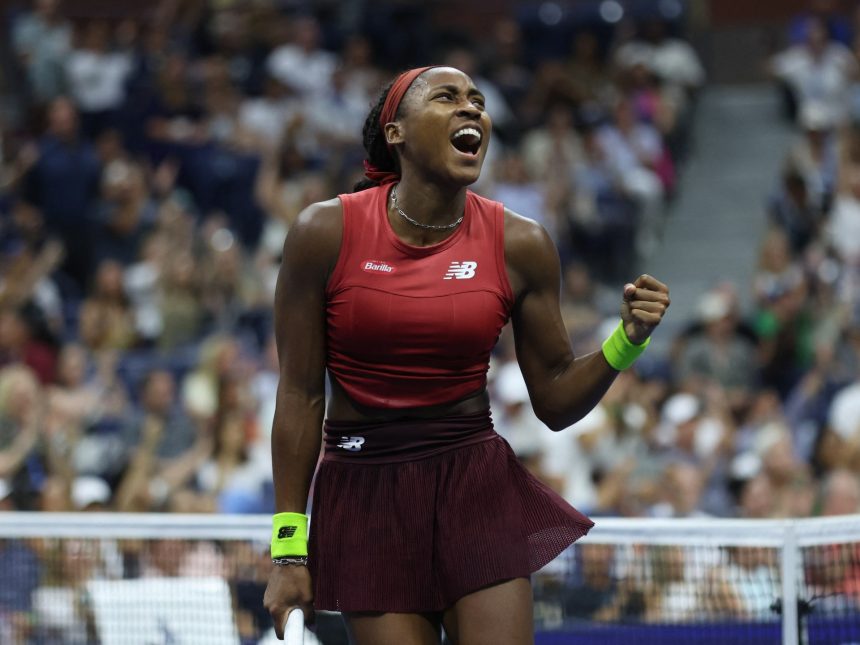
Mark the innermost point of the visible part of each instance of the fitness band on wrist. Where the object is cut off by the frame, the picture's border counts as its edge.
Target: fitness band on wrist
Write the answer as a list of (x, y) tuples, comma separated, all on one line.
[(291, 561), (289, 535), (619, 352)]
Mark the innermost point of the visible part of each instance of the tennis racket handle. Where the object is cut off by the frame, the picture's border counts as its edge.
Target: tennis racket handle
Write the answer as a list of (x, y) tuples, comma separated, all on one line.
[(294, 628)]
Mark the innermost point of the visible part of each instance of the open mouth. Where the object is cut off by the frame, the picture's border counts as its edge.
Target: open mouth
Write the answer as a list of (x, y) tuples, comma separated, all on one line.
[(467, 140)]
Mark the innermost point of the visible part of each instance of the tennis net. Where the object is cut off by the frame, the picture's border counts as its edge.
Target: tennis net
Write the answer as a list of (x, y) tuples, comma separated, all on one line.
[(110, 579), (706, 581)]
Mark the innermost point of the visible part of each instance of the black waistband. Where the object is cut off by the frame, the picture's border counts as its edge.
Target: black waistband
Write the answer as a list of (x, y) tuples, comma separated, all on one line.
[(403, 439)]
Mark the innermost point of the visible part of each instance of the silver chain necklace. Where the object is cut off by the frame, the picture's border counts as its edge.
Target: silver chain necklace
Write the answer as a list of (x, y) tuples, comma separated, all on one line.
[(435, 227)]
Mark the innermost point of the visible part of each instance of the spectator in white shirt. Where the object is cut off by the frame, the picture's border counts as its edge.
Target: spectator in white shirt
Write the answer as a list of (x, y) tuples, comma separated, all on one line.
[(97, 77), (844, 226), (672, 59), (819, 69), (265, 117), (302, 63), (634, 151)]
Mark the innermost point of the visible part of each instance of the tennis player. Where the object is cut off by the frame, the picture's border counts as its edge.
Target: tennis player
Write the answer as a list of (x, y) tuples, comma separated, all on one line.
[(422, 515)]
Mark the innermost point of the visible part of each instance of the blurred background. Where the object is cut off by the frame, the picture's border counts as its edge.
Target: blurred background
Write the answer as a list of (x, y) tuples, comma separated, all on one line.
[(154, 155)]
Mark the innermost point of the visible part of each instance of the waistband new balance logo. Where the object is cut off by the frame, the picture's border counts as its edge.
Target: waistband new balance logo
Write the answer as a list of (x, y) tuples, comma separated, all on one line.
[(353, 444), (461, 270)]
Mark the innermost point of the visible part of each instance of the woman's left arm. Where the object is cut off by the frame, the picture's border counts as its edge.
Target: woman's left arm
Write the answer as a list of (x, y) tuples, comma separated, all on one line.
[(562, 387)]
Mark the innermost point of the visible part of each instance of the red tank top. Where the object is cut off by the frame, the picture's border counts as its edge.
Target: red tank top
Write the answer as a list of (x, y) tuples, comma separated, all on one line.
[(410, 326)]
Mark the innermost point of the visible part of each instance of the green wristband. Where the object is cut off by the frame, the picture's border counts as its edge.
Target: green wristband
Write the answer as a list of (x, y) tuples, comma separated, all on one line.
[(619, 352), (289, 535)]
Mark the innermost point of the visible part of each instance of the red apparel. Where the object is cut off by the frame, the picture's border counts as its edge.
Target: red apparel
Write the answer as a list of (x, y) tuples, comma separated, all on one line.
[(451, 508), (423, 526), (413, 326), (450, 503)]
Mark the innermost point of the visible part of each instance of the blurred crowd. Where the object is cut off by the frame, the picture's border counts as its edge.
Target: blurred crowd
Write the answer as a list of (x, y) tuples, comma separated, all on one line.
[(752, 413), (732, 587), (63, 591), (151, 164), (147, 187)]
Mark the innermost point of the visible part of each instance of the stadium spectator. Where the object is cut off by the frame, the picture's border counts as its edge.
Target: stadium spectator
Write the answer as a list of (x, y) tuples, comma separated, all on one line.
[(63, 183), (634, 152), (96, 77), (843, 230), (61, 610), (124, 215), (587, 72), (20, 571), (671, 597), (814, 154), (504, 54), (162, 446), (839, 25), (518, 187), (794, 211), (230, 477), (106, 320), (819, 69), (219, 355), (25, 339), (748, 581), (597, 587), (25, 446), (603, 219), (757, 498), (42, 40), (719, 353), (841, 493), (267, 116), (783, 321), (301, 62), (672, 59), (840, 443)]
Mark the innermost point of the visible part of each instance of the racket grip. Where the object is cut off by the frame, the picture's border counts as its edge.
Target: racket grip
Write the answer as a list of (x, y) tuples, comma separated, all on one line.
[(294, 628)]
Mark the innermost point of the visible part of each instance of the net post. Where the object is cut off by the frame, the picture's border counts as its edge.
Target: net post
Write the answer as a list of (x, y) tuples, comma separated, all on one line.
[(789, 565)]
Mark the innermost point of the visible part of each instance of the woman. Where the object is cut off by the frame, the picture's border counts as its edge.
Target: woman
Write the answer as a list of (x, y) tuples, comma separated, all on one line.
[(422, 515)]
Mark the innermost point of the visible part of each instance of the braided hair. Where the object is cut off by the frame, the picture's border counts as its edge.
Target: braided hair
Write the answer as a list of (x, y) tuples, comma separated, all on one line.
[(373, 139)]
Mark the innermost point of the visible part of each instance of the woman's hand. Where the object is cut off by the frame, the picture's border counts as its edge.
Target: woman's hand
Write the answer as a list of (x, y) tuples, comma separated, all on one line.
[(289, 587), (645, 303)]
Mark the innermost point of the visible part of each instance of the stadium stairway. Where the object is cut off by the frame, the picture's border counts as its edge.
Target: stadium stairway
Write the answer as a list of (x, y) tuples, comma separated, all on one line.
[(715, 226)]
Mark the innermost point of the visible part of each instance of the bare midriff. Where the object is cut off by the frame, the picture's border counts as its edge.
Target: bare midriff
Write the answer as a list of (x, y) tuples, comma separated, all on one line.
[(341, 408)]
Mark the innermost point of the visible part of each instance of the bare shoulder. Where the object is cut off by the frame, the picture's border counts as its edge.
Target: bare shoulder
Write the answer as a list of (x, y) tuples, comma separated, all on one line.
[(530, 253), (318, 222), (314, 239)]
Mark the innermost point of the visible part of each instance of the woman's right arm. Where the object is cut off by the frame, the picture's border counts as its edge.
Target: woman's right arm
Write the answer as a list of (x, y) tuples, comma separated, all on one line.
[(310, 253)]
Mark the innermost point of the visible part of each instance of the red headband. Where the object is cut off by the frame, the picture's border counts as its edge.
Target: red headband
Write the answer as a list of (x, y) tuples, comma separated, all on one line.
[(389, 111), (398, 90)]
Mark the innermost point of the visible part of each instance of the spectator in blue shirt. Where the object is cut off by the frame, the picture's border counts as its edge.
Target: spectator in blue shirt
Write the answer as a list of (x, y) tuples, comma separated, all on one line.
[(64, 183)]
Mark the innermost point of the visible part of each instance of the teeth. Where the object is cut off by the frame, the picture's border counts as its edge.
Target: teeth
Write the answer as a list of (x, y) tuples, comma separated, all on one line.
[(467, 131)]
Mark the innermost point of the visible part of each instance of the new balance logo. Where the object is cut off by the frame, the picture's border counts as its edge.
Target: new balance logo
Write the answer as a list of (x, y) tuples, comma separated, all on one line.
[(461, 270), (353, 444), (286, 532), (376, 266)]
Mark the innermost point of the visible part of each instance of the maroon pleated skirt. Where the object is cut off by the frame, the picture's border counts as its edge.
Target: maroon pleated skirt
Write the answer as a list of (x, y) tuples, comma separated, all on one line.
[(410, 516)]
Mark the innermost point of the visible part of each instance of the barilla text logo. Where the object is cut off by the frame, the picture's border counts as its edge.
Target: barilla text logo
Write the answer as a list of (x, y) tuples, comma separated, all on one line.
[(376, 266)]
